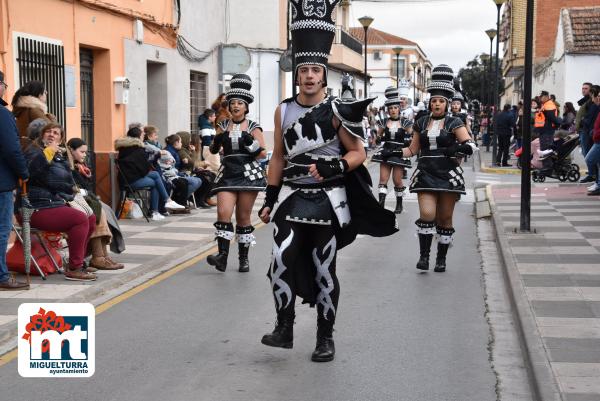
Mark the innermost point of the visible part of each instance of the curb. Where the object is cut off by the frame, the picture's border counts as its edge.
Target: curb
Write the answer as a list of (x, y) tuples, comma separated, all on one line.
[(115, 286), (541, 378)]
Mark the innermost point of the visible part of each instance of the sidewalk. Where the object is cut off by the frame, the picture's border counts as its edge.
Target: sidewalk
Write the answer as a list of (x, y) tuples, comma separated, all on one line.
[(151, 249), (554, 275)]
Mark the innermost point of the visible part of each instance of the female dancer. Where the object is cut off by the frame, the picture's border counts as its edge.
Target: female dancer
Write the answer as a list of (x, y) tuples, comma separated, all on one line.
[(440, 139), (395, 132), (240, 177)]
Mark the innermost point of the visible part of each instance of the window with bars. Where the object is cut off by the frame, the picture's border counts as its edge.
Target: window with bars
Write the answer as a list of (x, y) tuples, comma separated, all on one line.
[(198, 98), (45, 62)]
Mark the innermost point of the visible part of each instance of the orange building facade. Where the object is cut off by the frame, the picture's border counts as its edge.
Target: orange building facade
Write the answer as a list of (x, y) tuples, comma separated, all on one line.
[(77, 49)]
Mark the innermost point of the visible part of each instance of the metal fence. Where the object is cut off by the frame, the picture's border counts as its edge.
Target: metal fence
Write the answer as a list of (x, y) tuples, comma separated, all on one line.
[(43, 61)]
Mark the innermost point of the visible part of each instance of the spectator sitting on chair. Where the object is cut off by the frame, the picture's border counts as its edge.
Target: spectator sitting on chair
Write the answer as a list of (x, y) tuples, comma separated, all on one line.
[(51, 187), (102, 236), (136, 169), (12, 167), (174, 146)]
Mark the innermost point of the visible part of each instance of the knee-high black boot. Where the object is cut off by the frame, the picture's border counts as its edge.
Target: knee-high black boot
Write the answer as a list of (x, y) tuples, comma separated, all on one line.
[(245, 240), (283, 334), (325, 348), (224, 236), (425, 230), (445, 238), (382, 194), (399, 194)]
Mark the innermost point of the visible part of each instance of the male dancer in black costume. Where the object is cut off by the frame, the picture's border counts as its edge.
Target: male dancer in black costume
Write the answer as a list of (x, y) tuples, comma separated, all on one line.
[(318, 195)]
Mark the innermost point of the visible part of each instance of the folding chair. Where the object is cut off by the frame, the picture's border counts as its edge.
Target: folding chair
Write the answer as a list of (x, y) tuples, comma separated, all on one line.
[(19, 231), (127, 191)]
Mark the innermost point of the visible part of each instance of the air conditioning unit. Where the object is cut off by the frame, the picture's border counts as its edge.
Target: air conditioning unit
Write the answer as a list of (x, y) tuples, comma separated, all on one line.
[(377, 55)]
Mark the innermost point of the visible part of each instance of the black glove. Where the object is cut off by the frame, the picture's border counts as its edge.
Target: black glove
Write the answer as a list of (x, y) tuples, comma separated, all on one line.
[(465, 148), (215, 146), (247, 139), (450, 151), (333, 168), (272, 192)]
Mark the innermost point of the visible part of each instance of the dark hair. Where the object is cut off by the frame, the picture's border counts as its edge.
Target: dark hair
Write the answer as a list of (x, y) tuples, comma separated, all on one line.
[(209, 112), (595, 90), (76, 143), (544, 93), (506, 107), (172, 139), (569, 108), (134, 132), (31, 88), (537, 101), (588, 84), (553, 97)]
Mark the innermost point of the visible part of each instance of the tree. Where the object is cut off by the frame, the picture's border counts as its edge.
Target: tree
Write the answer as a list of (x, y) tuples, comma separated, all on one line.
[(476, 79)]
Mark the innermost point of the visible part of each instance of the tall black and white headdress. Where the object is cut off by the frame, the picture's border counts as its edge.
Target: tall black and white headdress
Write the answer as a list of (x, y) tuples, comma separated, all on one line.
[(441, 84), (239, 88), (392, 97), (313, 31)]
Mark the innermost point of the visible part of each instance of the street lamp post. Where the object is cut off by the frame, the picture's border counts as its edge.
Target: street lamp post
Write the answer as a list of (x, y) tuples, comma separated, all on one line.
[(365, 21), (397, 51), (414, 65), (525, 218), (496, 78), (491, 33)]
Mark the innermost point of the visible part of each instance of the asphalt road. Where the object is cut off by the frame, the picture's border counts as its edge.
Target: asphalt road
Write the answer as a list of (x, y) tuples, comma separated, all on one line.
[(400, 335)]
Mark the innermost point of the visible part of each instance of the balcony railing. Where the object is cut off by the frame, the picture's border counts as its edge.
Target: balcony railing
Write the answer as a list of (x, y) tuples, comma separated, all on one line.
[(344, 38)]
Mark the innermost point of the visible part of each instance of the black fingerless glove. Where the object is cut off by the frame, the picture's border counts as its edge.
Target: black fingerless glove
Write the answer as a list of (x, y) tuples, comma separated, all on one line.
[(251, 145), (272, 192), (215, 146), (450, 151), (333, 168), (464, 148)]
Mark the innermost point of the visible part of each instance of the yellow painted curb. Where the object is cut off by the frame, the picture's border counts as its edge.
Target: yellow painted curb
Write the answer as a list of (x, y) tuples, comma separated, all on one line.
[(9, 356)]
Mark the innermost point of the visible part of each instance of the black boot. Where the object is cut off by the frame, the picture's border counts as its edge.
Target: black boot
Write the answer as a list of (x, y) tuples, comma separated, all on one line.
[(382, 194), (243, 256), (245, 238), (445, 239), (399, 193), (325, 348), (283, 334), (425, 232), (219, 260)]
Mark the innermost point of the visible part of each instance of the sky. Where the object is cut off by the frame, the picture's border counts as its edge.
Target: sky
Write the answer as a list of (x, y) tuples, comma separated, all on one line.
[(449, 31)]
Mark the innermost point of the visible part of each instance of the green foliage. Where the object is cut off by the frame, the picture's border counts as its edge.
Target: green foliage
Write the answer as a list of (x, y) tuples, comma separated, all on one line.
[(477, 80)]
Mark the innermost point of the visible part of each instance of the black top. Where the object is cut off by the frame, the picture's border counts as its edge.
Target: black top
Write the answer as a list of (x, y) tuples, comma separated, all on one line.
[(446, 136), (236, 146), (401, 135)]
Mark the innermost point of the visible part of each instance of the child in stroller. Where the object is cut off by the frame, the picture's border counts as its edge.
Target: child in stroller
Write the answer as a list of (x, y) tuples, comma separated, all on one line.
[(560, 155)]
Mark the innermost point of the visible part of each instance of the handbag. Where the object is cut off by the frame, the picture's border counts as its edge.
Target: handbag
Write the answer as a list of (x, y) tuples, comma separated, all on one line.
[(80, 204)]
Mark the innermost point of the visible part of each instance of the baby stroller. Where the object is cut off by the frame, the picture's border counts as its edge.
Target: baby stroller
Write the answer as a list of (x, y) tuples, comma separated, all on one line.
[(562, 169)]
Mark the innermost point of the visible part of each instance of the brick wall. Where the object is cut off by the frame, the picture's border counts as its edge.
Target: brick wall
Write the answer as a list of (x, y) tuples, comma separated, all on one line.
[(547, 15)]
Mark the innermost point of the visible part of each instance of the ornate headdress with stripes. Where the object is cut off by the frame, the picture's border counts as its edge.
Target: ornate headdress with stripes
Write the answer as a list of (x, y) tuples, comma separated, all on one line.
[(239, 88), (313, 31), (441, 84)]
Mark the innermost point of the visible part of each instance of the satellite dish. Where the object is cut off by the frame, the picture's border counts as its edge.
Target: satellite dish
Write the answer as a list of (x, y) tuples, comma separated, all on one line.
[(236, 59), (285, 61)]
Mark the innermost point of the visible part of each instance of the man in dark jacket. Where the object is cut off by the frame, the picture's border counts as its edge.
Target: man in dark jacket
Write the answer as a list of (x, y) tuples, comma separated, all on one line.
[(505, 126), (583, 103), (12, 167)]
